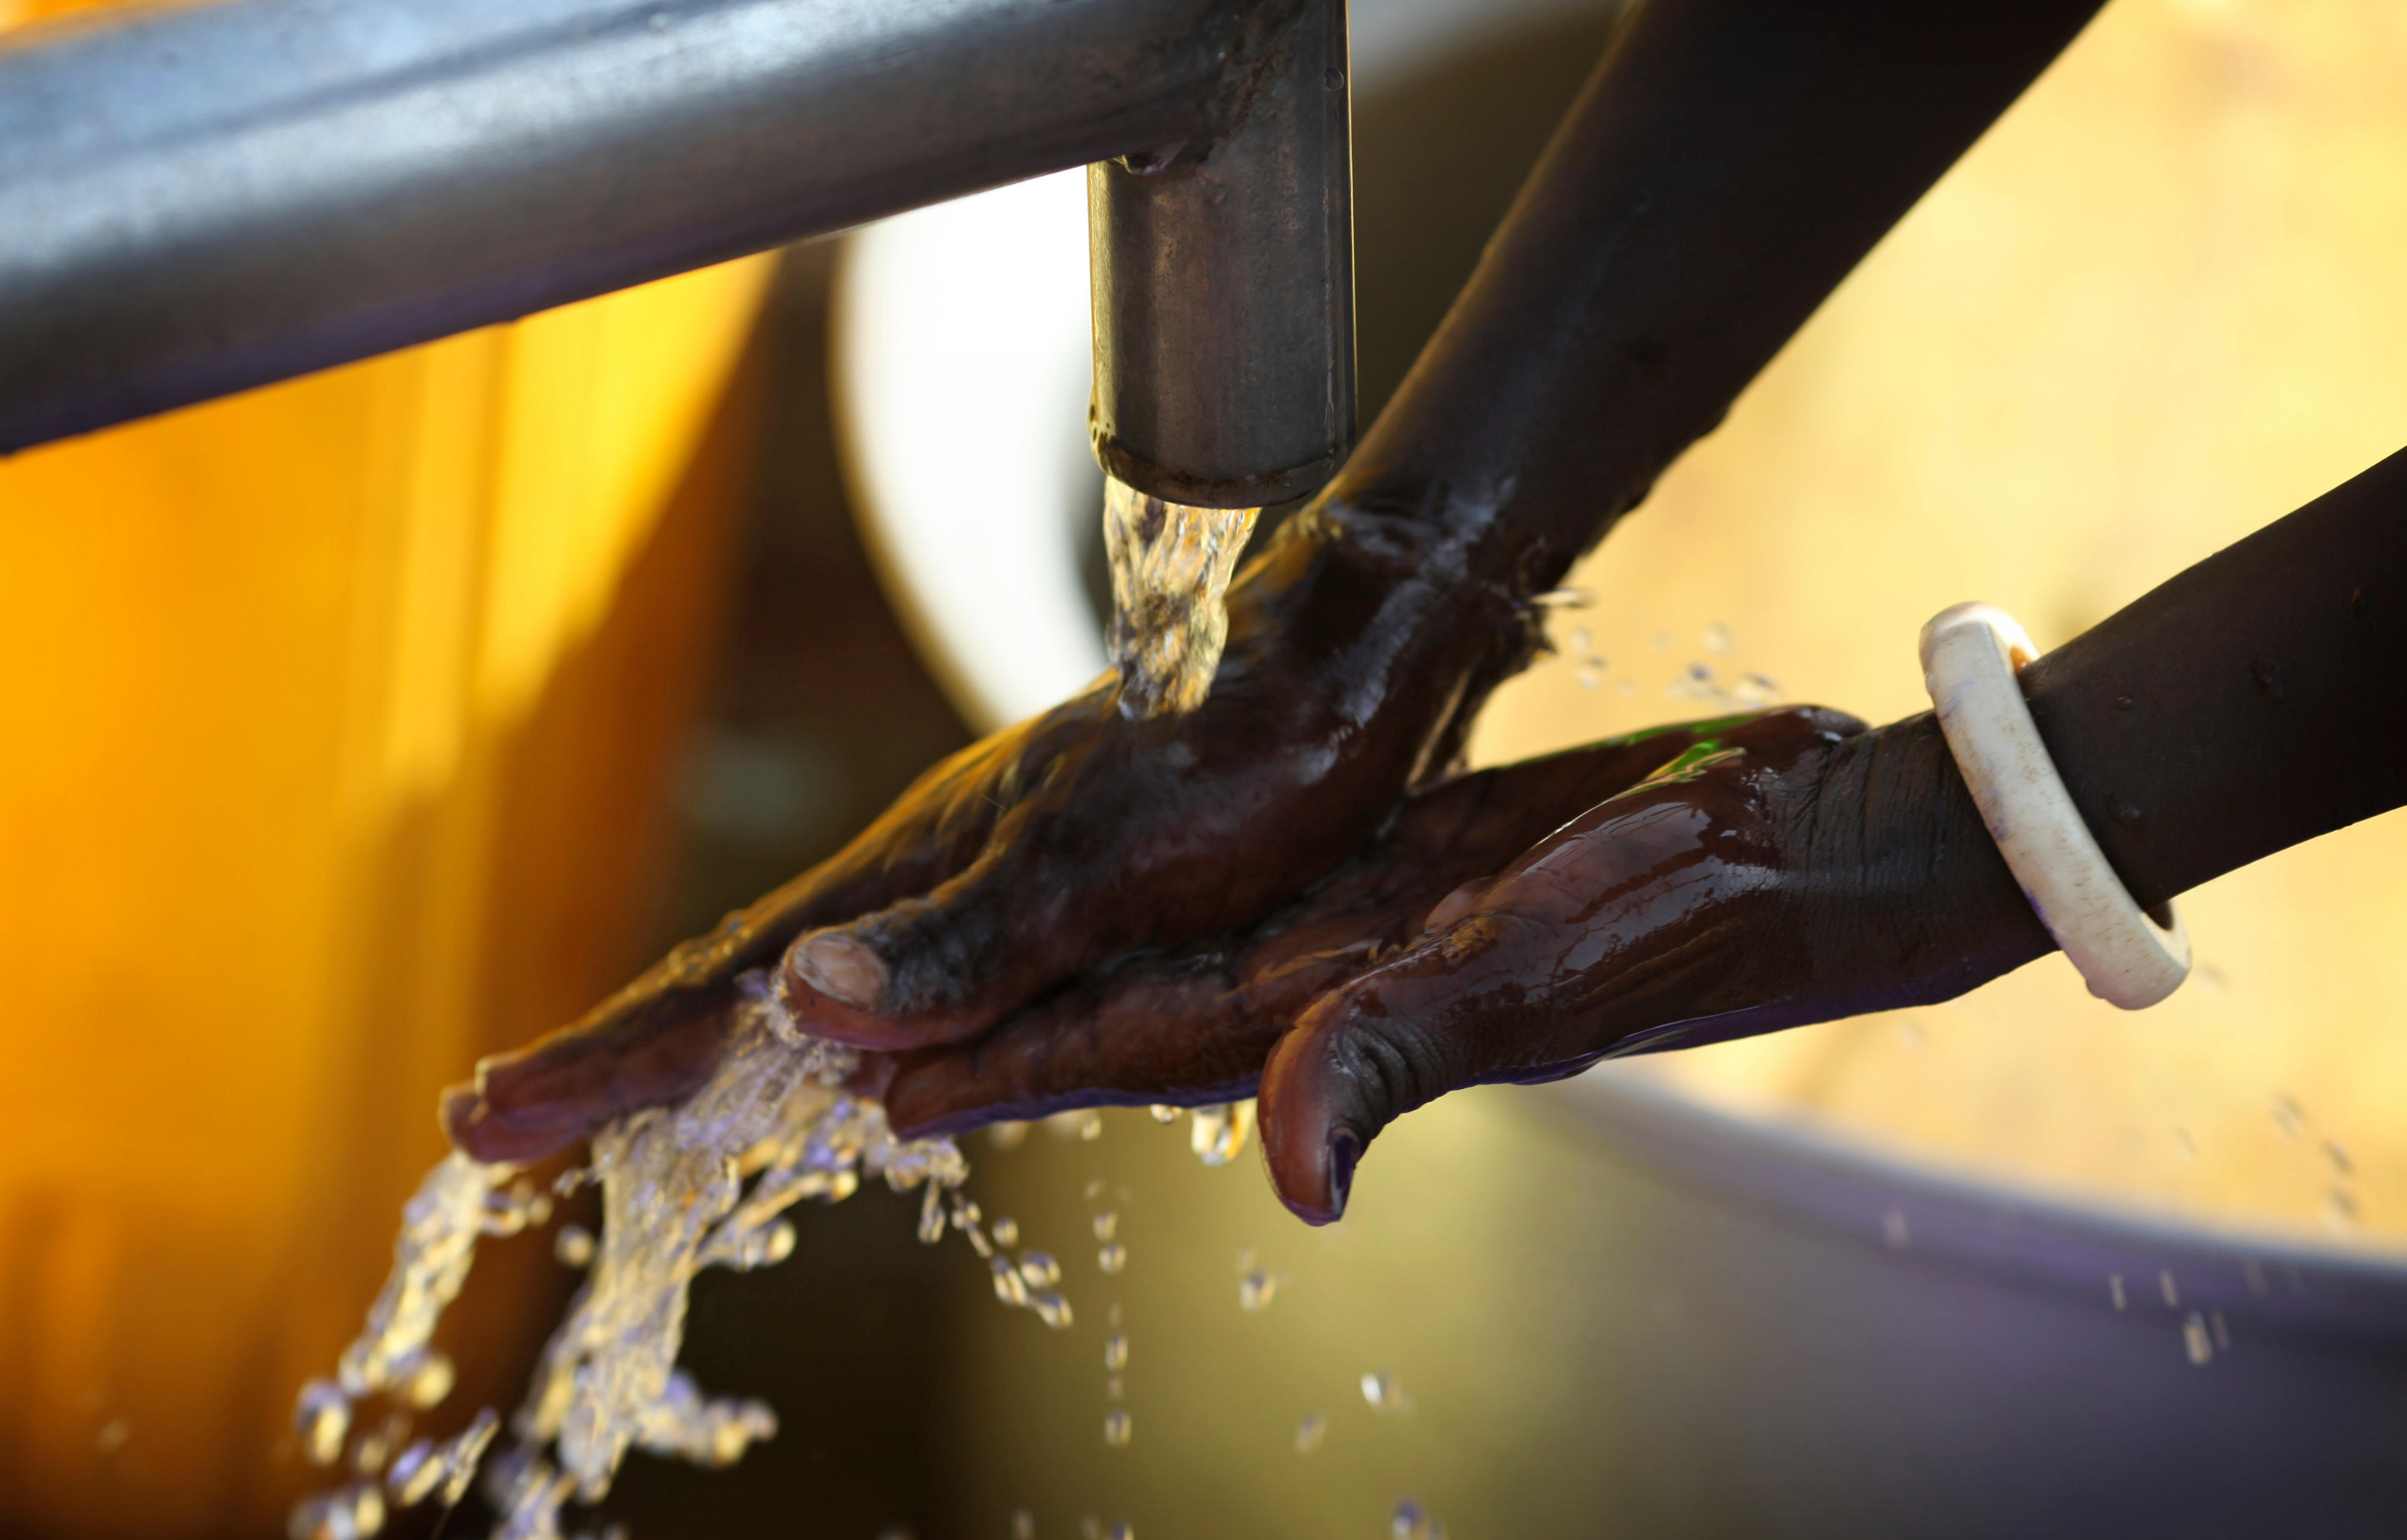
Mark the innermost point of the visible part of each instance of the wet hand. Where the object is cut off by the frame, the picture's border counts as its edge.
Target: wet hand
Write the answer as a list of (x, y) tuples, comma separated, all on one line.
[(1353, 662), (1706, 882), (1194, 1024)]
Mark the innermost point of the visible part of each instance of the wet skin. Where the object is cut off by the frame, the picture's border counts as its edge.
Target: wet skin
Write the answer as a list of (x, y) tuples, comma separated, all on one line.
[(1276, 891), (1725, 168)]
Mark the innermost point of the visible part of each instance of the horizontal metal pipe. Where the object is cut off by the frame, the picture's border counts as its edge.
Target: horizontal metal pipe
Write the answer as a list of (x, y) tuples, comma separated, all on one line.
[(194, 200), (1224, 286)]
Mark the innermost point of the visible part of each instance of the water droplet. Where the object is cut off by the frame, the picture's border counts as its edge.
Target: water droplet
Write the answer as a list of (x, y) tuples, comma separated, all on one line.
[(1116, 1428), (370, 1449), (2115, 1291), (1106, 1225), (427, 1467), (2170, 1289), (1008, 1135), (1895, 1230), (1163, 1114), (1090, 1127), (1383, 1394), (1563, 598), (2338, 1155), (2222, 1332), (1007, 1287), (426, 1380), (1052, 1309), (2340, 1210), (1254, 1290), (1094, 1189), (1113, 1316), (768, 1246), (323, 1415), (573, 1246), (932, 1216), (1716, 639), (1115, 1352), (1023, 1525), (1219, 1132), (1007, 1232), (1112, 1258), (2196, 1341), (966, 1214), (1589, 679), (1309, 1432), (1411, 1521), (113, 1434), (1115, 1390), (1039, 1269), (2289, 1117)]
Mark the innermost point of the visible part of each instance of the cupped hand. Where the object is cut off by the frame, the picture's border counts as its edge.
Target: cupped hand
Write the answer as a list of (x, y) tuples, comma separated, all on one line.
[(1353, 662)]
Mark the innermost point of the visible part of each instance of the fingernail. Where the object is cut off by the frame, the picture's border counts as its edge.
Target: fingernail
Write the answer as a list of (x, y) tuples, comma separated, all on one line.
[(842, 969), (1344, 1151)]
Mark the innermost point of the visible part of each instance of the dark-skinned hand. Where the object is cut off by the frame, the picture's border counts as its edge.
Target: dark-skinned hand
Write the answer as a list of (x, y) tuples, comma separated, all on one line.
[(1712, 880), (1354, 659), (1686, 885)]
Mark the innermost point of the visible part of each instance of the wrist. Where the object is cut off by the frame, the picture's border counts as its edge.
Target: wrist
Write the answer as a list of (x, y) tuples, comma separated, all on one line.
[(1907, 899)]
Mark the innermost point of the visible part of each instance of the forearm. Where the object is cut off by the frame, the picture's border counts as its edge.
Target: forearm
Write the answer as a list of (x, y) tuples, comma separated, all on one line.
[(1724, 169), (2257, 700)]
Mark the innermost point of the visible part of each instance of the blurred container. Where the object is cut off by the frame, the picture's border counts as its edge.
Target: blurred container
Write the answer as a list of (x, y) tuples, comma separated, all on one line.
[(337, 718)]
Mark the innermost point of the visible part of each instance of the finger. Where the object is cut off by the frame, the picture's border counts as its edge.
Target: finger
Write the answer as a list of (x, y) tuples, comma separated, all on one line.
[(1188, 1028), (1628, 919), (943, 966), (530, 1104), (1049, 896), (1364, 1054), (1153, 1038)]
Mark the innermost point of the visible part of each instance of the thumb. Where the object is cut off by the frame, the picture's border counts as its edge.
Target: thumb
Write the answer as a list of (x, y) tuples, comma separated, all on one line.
[(1366, 1053)]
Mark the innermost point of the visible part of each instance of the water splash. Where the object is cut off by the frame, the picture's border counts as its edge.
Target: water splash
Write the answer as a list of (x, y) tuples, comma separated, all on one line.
[(683, 1188), (1170, 566)]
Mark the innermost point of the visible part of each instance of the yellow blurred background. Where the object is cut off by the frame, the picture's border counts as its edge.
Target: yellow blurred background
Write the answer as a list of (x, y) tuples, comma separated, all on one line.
[(340, 713), (2156, 308), (319, 699)]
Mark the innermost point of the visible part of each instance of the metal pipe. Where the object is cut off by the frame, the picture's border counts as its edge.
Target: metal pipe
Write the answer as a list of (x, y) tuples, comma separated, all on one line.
[(1223, 286), (197, 199)]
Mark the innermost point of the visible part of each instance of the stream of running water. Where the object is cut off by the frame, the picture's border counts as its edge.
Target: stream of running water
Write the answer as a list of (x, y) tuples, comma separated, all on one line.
[(1170, 566), (699, 1185)]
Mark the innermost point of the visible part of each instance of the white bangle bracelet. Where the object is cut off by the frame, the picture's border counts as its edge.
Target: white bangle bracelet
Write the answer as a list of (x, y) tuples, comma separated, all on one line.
[(1970, 655)]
